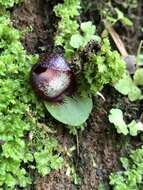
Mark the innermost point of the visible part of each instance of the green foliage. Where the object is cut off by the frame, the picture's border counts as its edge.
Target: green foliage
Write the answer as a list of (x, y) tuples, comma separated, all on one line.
[(101, 186), (13, 107), (69, 30), (133, 128), (112, 14), (8, 3), (140, 59), (44, 147), (111, 11), (19, 111), (131, 178), (138, 77), (116, 117), (67, 26), (104, 67), (117, 16), (129, 86), (121, 17), (73, 111)]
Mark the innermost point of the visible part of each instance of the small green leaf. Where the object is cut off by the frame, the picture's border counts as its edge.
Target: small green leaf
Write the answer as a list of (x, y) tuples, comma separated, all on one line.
[(133, 128), (10, 180), (138, 77), (96, 38), (116, 117), (124, 85), (126, 21), (135, 93), (88, 28), (74, 111), (120, 14), (140, 59), (76, 41), (125, 162)]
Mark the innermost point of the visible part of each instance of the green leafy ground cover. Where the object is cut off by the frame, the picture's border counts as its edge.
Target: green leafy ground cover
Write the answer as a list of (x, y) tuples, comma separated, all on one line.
[(133, 128), (19, 112), (132, 176)]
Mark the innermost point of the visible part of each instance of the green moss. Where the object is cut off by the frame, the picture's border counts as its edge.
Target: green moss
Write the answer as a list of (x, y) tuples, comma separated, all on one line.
[(69, 29), (19, 112), (104, 67), (131, 178)]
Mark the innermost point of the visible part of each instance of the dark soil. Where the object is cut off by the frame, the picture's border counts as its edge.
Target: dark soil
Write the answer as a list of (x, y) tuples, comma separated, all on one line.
[(54, 181), (37, 14), (99, 147)]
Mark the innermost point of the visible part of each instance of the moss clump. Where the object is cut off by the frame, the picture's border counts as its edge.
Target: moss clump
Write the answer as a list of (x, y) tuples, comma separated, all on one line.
[(104, 67), (19, 112)]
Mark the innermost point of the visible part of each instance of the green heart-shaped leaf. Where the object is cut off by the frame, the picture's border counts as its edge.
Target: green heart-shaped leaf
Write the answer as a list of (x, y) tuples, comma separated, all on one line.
[(73, 111)]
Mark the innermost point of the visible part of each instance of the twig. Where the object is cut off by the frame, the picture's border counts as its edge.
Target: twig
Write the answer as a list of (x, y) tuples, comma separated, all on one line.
[(119, 43)]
